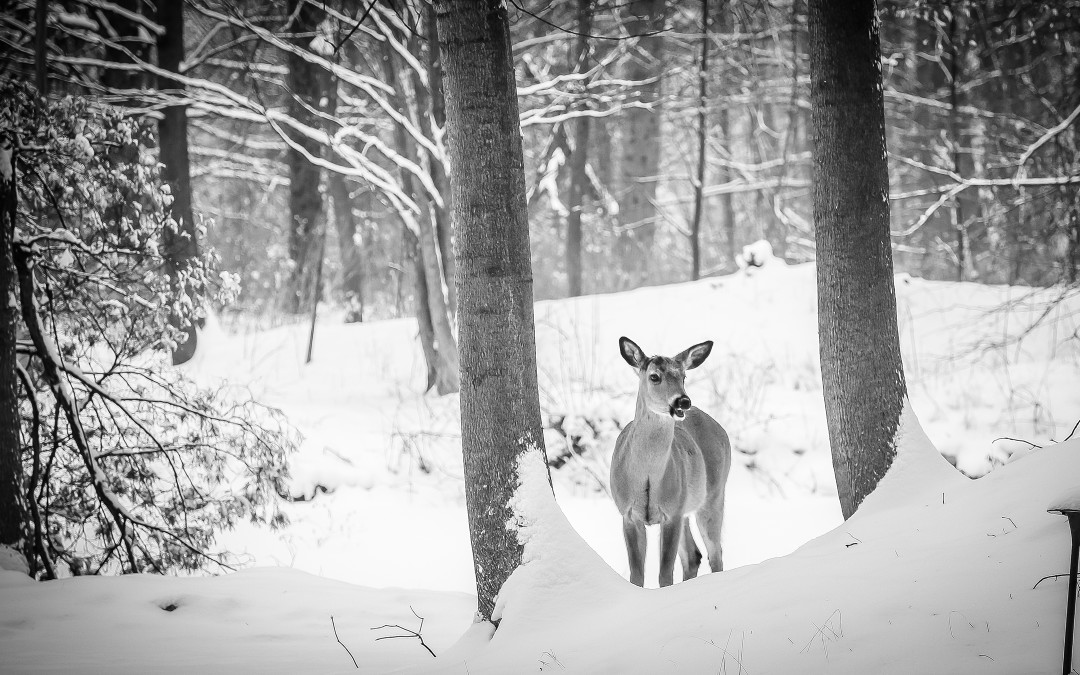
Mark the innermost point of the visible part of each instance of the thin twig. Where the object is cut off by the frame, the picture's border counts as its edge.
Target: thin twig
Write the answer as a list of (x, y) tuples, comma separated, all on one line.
[(1049, 576), (355, 665), (407, 632)]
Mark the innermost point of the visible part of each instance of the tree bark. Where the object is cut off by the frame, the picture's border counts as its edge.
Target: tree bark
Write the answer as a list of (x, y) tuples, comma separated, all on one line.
[(14, 514), (579, 58), (500, 410), (861, 369), (640, 161), (727, 203), (352, 263), (444, 346), (127, 36), (702, 134), (433, 100), (181, 245), (41, 46), (309, 89)]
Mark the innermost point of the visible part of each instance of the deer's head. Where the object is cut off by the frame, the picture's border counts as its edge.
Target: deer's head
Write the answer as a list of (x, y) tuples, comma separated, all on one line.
[(661, 379)]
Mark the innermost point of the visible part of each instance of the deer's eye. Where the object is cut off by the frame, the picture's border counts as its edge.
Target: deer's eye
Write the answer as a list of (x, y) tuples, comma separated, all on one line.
[(654, 378)]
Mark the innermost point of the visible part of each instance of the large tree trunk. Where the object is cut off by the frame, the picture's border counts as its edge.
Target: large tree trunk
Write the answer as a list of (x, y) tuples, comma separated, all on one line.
[(500, 410), (579, 58), (640, 161), (181, 245), (861, 369), (310, 89), (14, 515)]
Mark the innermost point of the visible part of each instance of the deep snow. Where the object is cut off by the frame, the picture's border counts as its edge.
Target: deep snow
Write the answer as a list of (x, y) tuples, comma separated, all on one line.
[(934, 574)]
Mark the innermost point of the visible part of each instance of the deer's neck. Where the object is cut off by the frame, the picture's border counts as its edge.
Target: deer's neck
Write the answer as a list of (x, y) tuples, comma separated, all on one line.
[(652, 437)]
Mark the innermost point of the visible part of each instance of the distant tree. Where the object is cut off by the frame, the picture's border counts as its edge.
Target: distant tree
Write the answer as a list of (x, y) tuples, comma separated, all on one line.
[(579, 62), (640, 160), (181, 241), (14, 516), (500, 411), (861, 369), (702, 136), (309, 93)]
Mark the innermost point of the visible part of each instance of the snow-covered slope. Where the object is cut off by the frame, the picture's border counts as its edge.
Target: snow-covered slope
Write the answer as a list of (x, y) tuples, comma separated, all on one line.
[(934, 574)]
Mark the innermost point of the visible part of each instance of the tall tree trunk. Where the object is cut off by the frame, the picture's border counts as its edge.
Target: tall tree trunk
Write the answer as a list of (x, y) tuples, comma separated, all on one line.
[(41, 51), (352, 263), (579, 59), (309, 89), (640, 161), (861, 369), (444, 347), (125, 34), (14, 514), (702, 134), (181, 245), (965, 204), (444, 225), (500, 409), (727, 201)]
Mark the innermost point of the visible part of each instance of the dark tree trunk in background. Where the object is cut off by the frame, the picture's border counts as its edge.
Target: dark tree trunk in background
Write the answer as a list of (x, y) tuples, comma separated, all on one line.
[(14, 515), (702, 135), (861, 369), (433, 100), (726, 24), (182, 245), (439, 344), (310, 88), (500, 410), (352, 262), (41, 53), (964, 207), (126, 34), (579, 60), (640, 161)]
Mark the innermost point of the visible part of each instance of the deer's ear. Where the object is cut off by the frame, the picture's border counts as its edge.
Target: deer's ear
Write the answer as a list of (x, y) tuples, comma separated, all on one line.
[(631, 352), (696, 355)]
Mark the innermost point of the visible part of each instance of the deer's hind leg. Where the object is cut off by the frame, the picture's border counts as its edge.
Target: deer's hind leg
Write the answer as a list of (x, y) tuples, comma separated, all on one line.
[(710, 520), (690, 555)]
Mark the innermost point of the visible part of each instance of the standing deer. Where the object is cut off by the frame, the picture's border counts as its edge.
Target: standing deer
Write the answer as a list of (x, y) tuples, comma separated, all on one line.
[(672, 461)]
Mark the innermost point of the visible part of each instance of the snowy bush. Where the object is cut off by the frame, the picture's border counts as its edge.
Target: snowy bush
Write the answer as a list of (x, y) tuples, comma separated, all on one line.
[(130, 466)]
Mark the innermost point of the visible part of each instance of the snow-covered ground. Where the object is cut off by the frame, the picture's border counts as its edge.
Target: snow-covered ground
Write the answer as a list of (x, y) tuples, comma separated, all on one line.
[(934, 574)]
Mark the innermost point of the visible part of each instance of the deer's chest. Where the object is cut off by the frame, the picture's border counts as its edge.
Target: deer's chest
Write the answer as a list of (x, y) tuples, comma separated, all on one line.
[(654, 484)]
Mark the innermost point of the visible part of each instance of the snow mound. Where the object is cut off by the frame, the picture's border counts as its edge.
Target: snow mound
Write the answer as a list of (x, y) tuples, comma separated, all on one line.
[(953, 575), (12, 560)]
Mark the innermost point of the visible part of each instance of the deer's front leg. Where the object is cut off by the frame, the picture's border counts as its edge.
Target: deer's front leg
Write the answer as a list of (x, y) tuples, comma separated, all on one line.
[(634, 534), (670, 538)]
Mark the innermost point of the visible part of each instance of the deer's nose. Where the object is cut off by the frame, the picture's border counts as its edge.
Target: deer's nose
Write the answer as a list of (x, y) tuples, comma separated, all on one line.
[(682, 403)]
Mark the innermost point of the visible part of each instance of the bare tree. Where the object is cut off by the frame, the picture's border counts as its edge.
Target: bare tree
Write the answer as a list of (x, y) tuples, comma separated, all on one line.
[(500, 410), (861, 368)]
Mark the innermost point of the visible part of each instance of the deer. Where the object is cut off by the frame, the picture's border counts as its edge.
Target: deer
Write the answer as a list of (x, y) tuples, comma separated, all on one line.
[(671, 462)]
